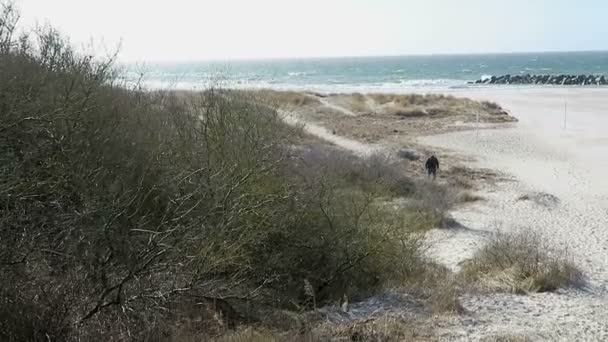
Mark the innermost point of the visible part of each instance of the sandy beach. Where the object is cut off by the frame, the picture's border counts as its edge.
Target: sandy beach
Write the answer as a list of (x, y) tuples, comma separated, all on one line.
[(551, 183), (543, 157)]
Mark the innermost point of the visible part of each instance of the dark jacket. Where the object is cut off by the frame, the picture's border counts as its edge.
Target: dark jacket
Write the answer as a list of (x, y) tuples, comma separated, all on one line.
[(432, 163)]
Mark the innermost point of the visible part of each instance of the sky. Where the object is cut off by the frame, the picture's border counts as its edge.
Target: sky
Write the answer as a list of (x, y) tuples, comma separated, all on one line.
[(186, 30)]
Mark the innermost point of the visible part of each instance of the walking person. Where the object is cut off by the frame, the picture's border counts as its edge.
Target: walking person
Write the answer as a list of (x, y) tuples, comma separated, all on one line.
[(431, 166)]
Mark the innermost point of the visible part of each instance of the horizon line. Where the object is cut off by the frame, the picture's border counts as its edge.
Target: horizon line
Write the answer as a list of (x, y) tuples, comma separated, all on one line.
[(283, 58)]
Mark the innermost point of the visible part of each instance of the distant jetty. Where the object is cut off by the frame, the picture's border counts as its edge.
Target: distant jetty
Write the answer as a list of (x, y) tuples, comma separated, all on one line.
[(544, 79)]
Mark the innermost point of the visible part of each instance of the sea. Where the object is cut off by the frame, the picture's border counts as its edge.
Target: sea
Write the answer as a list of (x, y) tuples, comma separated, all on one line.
[(349, 74)]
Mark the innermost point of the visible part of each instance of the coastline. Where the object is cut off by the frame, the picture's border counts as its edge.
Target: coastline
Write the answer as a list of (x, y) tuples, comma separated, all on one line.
[(535, 157), (404, 87), (568, 165)]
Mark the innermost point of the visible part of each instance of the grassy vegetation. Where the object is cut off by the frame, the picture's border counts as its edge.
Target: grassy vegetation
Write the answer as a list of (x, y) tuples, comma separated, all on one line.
[(520, 263), (508, 338), (438, 105), (468, 197), (385, 328), (139, 215), (400, 105), (285, 99), (355, 102)]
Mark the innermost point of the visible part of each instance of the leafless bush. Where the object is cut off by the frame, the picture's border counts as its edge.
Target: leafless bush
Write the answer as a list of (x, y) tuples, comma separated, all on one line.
[(376, 173), (436, 200), (120, 206), (491, 105), (408, 155), (126, 212)]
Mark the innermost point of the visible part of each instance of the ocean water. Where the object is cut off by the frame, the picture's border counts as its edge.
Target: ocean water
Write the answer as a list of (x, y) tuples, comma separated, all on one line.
[(364, 73)]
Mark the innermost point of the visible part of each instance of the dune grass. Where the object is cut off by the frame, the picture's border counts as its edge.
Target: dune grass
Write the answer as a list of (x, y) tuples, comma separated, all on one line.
[(468, 197), (404, 106), (288, 99), (508, 338), (520, 263), (438, 105)]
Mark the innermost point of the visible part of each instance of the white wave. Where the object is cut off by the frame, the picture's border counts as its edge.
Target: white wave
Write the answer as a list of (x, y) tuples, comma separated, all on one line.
[(432, 82), (297, 73), (329, 87)]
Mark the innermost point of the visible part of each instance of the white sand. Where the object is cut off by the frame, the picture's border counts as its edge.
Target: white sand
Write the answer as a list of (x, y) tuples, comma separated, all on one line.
[(538, 156), (542, 156)]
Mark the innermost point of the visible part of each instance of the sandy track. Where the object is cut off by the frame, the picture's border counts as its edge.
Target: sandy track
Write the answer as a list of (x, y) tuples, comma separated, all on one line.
[(354, 146), (542, 157), (336, 107)]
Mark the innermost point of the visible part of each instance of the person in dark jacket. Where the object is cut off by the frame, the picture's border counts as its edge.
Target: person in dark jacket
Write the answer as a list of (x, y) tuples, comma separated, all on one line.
[(431, 166)]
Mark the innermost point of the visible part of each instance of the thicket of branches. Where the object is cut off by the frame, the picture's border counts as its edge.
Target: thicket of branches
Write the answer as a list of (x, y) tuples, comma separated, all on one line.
[(123, 211)]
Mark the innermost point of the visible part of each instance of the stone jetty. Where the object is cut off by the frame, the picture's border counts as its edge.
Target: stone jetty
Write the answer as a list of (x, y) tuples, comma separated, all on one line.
[(545, 79)]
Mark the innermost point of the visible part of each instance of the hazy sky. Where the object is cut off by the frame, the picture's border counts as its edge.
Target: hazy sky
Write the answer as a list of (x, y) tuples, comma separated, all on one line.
[(154, 30)]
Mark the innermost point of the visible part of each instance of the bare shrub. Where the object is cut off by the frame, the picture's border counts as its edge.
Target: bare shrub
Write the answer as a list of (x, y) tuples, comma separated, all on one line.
[(124, 199), (376, 173), (436, 200), (408, 155), (491, 105), (385, 328), (128, 213), (520, 263), (408, 113), (119, 206)]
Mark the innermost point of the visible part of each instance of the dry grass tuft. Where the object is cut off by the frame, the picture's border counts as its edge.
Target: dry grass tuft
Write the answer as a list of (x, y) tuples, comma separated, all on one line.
[(435, 201), (468, 197), (385, 329), (441, 289), (541, 198), (358, 104), (461, 182), (438, 106), (520, 263), (465, 178), (251, 334), (508, 338)]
